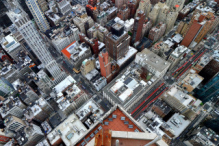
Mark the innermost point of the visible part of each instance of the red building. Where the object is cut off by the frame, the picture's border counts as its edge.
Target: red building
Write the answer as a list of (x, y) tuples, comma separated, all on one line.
[(93, 43), (193, 30), (199, 27), (123, 13), (138, 26), (105, 65), (133, 7)]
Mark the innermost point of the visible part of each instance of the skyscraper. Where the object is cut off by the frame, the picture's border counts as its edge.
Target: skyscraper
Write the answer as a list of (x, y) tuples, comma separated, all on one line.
[(117, 42), (210, 89), (105, 65), (38, 15), (158, 13), (138, 25), (145, 6), (26, 28)]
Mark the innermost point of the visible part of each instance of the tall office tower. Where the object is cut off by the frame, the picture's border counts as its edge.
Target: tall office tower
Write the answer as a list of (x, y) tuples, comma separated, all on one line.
[(64, 6), (38, 15), (145, 6), (92, 2), (16, 34), (5, 87), (81, 2), (198, 27), (13, 123), (158, 13), (105, 65), (170, 20), (29, 136), (175, 4), (26, 27), (43, 5), (138, 26), (210, 89), (117, 42)]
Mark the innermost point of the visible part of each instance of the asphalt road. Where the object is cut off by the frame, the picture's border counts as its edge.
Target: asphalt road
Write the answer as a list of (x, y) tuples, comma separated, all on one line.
[(148, 100)]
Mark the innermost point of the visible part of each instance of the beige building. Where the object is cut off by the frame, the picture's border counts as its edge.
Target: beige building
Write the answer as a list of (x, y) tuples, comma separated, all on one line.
[(182, 102), (158, 13), (83, 24), (152, 62), (145, 6), (43, 5), (87, 66), (191, 81)]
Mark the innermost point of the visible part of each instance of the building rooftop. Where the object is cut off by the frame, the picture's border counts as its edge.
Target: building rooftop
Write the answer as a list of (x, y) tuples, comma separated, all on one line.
[(109, 137), (64, 84), (127, 86), (162, 106), (131, 52), (75, 50), (184, 98), (178, 123), (191, 81), (203, 8), (89, 110), (150, 59), (179, 51), (116, 120), (9, 43), (69, 131)]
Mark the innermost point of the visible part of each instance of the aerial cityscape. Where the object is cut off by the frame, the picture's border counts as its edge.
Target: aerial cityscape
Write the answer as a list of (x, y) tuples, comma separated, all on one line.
[(109, 72)]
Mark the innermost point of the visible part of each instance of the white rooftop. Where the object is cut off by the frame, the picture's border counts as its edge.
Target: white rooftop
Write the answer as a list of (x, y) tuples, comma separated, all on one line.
[(9, 43), (64, 84), (204, 8), (192, 79), (116, 86), (179, 51), (184, 98), (91, 74), (71, 130), (132, 51), (127, 93), (178, 38), (177, 124), (89, 106)]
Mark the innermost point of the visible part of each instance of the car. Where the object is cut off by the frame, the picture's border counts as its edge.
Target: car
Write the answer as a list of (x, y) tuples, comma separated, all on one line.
[(83, 87)]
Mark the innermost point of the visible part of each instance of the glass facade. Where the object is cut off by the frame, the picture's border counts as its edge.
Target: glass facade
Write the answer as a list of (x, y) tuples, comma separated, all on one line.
[(209, 91)]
